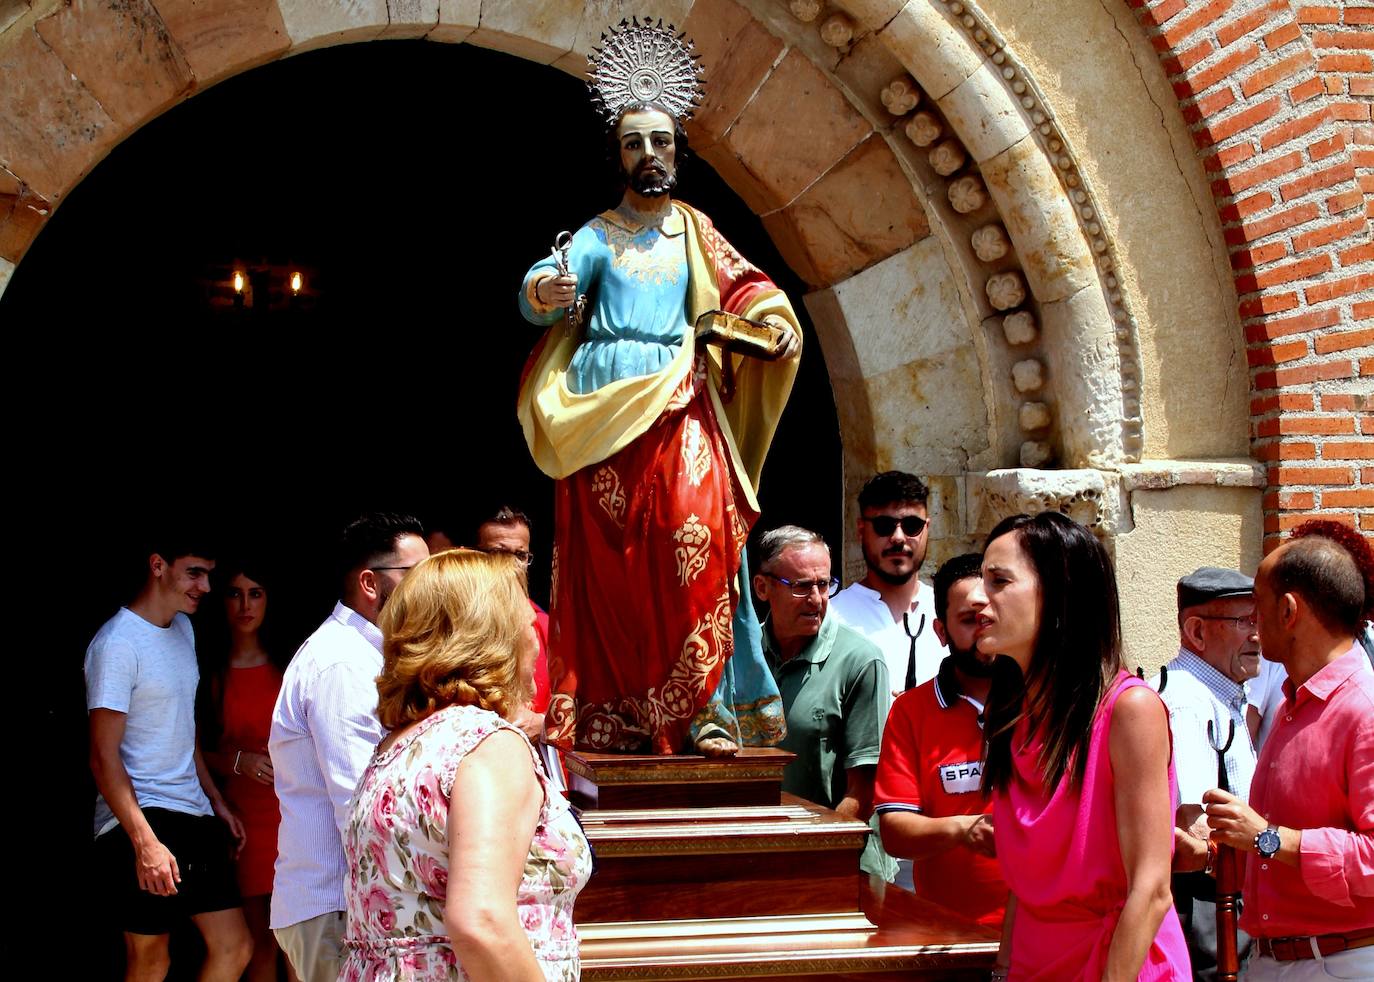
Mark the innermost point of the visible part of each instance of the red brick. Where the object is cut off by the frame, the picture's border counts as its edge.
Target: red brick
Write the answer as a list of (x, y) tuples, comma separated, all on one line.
[(1357, 111), (1306, 374), (1286, 451), (1278, 37), (1264, 404), (1319, 15), (1367, 521), (1268, 304), (1223, 69), (1247, 258), (1344, 341), (1180, 29), (1300, 270), (1327, 234), (1293, 128), (1229, 157), (1363, 311), (1359, 15), (1339, 174), (1245, 207), (1367, 476), (1361, 85), (1339, 288), (1361, 135), (1306, 90), (1237, 123), (1275, 73), (1271, 524), (1298, 402), (1310, 475), (1342, 402), (1362, 158), (1263, 381), (1325, 148), (1348, 450), (1344, 63), (1367, 366), (1296, 500), (1252, 231), (1314, 424), (1334, 85), (1240, 181), (1361, 498), (1276, 354), (1208, 105), (1241, 26), (1287, 522), (1367, 424), (1343, 39), (1157, 15), (1187, 58), (1344, 201), (1357, 254), (1281, 327)]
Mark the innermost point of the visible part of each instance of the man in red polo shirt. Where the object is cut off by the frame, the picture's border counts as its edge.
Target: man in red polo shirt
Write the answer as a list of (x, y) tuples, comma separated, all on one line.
[(1308, 832), (928, 792)]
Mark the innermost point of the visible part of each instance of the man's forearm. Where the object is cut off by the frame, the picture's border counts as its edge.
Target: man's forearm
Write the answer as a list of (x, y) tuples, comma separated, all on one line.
[(858, 792), (911, 835)]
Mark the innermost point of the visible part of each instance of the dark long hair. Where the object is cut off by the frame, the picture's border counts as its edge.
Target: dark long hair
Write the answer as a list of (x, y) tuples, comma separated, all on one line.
[(214, 640), (1076, 656)]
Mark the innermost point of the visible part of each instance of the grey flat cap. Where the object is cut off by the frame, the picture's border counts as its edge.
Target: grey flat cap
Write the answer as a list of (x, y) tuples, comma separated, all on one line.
[(1212, 583)]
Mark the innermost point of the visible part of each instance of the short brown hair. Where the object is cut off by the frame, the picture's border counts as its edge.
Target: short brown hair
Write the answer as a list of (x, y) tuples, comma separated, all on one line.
[(451, 635)]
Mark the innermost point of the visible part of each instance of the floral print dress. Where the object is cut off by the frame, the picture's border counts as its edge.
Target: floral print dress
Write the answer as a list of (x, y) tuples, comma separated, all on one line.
[(398, 857)]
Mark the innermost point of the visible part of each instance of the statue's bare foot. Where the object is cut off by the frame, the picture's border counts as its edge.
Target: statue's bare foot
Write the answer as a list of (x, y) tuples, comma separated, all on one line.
[(717, 747)]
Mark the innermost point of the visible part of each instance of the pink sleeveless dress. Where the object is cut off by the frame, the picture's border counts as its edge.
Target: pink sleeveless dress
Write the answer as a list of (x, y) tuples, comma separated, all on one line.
[(1059, 852)]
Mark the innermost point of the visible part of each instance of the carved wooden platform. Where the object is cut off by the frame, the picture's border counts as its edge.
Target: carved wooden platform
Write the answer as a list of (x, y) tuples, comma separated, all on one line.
[(707, 871), (615, 781)]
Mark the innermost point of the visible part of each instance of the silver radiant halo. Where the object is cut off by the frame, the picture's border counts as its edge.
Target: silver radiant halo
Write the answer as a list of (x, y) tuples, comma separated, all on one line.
[(642, 62)]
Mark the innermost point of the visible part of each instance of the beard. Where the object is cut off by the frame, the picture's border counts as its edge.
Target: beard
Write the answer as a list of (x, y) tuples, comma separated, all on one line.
[(895, 579), (652, 181), (967, 661)]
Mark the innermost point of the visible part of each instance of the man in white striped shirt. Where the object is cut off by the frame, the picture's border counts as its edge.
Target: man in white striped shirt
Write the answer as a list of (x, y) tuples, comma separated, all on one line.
[(324, 729)]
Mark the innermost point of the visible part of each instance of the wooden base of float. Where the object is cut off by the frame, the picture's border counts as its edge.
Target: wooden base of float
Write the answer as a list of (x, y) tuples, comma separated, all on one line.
[(707, 871)]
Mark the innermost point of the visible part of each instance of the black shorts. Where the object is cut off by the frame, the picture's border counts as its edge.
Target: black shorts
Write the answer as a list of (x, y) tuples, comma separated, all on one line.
[(204, 851)]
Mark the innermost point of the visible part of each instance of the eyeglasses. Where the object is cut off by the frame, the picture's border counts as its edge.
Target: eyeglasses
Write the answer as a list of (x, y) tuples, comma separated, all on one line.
[(885, 525), (378, 569), (522, 556), (801, 589), (1249, 621)]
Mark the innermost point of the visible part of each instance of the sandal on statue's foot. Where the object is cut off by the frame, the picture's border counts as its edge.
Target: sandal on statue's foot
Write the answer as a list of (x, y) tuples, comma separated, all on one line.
[(715, 741)]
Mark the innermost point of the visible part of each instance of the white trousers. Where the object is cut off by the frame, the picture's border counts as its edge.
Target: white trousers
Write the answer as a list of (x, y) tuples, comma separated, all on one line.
[(1355, 964)]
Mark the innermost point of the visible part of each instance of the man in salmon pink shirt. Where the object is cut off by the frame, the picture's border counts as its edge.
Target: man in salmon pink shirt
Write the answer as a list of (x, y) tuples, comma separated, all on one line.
[(1308, 831)]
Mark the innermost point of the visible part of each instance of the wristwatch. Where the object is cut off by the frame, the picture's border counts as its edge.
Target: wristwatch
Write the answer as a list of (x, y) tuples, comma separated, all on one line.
[(1267, 843)]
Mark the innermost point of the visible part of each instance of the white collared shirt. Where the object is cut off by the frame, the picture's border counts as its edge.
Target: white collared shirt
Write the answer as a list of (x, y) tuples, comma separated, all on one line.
[(324, 730), (1195, 694), (863, 609)]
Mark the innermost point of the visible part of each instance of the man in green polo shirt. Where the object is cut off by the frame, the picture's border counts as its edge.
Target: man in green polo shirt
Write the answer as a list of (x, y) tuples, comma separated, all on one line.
[(833, 682)]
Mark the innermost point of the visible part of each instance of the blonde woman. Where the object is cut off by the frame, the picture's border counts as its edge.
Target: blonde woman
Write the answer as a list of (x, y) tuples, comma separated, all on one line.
[(458, 661)]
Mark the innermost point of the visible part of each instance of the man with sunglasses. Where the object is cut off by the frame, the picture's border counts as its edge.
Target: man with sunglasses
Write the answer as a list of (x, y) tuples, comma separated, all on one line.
[(1206, 691), (890, 605), (324, 729), (833, 682)]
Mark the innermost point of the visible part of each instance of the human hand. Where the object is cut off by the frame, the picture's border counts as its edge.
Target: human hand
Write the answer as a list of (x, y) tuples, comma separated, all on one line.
[(790, 346), (557, 291), (1190, 852), (529, 722), (1192, 821), (235, 824), (978, 835), (1233, 822), (157, 868), (256, 766)]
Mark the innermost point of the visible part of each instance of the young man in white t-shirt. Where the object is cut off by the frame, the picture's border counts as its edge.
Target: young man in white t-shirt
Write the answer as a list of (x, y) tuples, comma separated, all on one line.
[(890, 605), (165, 840)]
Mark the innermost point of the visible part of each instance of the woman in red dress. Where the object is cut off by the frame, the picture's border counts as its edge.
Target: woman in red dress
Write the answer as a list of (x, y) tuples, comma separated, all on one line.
[(242, 684)]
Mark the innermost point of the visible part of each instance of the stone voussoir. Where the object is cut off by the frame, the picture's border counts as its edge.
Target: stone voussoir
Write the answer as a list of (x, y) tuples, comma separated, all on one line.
[(931, 47)]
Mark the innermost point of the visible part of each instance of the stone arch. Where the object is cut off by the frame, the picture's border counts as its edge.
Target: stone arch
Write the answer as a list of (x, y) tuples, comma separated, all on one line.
[(992, 220)]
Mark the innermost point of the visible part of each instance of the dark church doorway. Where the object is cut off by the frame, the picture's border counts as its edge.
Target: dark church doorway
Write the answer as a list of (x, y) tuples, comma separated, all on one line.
[(413, 184)]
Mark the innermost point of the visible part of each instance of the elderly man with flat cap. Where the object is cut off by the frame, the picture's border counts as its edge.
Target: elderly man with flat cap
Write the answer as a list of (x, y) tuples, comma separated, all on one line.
[(1205, 688)]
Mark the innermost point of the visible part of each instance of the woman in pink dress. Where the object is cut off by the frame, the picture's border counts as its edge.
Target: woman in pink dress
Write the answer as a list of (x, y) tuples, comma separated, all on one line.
[(459, 649), (1079, 764), (242, 681)]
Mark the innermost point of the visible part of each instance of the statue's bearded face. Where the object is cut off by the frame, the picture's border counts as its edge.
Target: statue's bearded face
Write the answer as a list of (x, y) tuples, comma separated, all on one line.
[(648, 152)]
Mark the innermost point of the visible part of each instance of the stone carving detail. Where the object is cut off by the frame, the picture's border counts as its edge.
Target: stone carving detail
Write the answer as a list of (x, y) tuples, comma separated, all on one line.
[(1019, 328), (923, 129), (947, 157), (990, 243), (837, 31), (1034, 416), (1006, 290), (1087, 496), (900, 96), (805, 10), (967, 194), (1028, 375), (1036, 453)]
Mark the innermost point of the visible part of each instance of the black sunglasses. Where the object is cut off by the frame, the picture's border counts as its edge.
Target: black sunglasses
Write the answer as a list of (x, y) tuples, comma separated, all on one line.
[(885, 525)]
